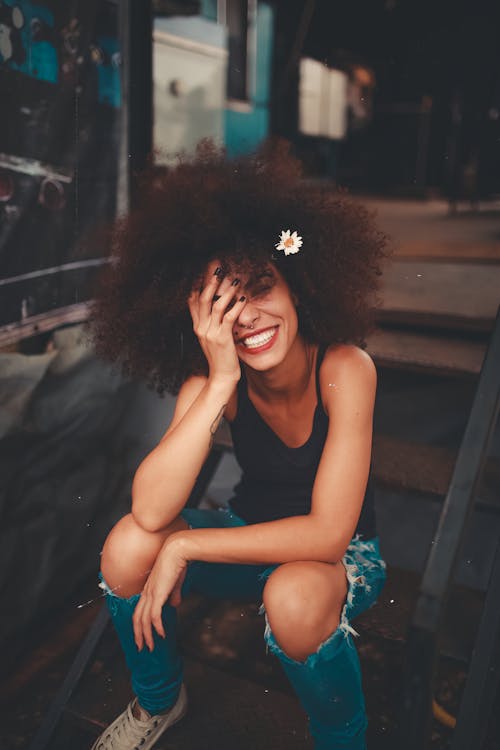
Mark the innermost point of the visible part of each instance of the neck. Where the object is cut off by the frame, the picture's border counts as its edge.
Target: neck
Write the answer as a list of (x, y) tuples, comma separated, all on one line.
[(290, 379)]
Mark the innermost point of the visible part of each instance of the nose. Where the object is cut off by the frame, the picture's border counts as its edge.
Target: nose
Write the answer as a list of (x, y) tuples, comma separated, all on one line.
[(248, 316)]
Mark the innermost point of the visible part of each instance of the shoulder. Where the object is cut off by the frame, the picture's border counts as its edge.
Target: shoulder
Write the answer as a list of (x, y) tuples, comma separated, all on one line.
[(347, 369), (346, 359)]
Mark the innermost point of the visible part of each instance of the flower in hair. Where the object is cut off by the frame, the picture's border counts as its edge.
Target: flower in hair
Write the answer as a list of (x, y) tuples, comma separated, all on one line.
[(290, 242)]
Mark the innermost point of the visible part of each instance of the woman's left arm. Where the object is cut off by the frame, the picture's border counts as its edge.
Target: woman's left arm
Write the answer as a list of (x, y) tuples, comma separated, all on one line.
[(348, 387)]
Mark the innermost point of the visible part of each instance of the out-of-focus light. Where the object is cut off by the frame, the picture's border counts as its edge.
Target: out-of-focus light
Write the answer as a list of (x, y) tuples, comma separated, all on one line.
[(97, 55), (17, 18)]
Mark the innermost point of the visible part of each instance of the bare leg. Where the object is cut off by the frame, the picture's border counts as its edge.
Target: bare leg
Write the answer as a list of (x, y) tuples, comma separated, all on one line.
[(130, 552)]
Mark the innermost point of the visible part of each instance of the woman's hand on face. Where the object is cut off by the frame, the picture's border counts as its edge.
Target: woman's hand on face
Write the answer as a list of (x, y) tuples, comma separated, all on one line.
[(214, 312), (164, 583)]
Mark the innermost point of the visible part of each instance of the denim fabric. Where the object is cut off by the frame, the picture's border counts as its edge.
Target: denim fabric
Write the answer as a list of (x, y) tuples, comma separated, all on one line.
[(327, 683)]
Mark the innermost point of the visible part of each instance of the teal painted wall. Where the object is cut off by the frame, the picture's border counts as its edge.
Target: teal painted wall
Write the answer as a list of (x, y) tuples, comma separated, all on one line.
[(244, 131), (208, 9)]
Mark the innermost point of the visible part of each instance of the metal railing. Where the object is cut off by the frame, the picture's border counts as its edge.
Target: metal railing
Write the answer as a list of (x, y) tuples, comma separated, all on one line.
[(424, 630)]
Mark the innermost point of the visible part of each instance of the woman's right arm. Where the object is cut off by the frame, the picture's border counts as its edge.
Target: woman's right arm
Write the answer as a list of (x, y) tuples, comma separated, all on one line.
[(165, 478)]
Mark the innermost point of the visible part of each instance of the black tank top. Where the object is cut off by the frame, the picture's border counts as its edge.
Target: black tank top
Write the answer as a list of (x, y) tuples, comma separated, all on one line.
[(277, 480)]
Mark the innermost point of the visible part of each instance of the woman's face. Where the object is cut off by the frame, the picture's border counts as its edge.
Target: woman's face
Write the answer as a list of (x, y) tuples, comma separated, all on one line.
[(268, 324)]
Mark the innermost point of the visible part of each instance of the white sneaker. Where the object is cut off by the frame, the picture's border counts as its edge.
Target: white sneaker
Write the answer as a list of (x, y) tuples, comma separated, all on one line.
[(129, 733)]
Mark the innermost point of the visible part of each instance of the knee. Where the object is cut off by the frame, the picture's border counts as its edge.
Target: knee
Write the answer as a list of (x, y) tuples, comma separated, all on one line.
[(124, 541), (289, 598), (128, 554), (303, 606)]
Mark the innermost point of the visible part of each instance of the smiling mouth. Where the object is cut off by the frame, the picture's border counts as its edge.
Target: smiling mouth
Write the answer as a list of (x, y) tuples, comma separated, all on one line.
[(258, 340)]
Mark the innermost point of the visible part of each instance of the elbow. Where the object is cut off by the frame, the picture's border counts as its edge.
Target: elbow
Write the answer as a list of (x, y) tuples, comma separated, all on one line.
[(331, 555), (142, 512), (330, 543), (146, 521)]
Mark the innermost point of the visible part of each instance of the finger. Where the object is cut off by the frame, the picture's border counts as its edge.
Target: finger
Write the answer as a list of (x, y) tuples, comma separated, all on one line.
[(176, 595), (193, 308), (136, 624), (146, 626), (231, 316), (227, 296), (205, 298), (211, 269), (156, 619)]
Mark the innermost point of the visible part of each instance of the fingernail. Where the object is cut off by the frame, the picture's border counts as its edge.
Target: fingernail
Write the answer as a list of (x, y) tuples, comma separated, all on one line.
[(242, 299), (235, 282), (217, 271)]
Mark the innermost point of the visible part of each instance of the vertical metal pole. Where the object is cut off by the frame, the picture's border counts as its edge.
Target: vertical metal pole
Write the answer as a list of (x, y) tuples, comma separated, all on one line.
[(136, 36), (123, 179), (484, 671), (51, 719), (418, 684)]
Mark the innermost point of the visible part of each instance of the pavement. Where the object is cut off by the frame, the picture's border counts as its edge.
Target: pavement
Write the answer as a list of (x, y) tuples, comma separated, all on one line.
[(425, 229)]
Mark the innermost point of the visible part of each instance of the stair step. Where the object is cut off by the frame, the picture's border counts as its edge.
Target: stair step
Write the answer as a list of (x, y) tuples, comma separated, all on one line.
[(230, 635), (427, 469), (238, 694), (225, 710), (390, 617), (460, 296), (422, 353)]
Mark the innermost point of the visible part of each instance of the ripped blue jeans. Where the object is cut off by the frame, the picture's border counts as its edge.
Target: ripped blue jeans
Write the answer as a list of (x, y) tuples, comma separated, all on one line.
[(328, 683)]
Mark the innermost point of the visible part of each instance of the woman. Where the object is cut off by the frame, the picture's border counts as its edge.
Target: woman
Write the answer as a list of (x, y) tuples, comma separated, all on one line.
[(264, 329)]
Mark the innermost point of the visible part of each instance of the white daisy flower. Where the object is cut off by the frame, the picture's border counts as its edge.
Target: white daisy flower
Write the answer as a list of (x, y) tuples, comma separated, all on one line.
[(289, 242)]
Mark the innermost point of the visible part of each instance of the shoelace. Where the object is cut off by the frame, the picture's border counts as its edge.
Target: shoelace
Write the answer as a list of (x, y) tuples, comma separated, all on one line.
[(118, 737)]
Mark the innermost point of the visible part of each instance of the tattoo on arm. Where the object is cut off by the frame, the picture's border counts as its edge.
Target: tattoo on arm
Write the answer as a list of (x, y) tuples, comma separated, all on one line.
[(216, 423)]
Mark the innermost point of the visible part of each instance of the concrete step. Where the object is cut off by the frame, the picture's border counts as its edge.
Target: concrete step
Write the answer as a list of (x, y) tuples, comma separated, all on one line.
[(227, 707), (427, 469), (458, 296), (417, 352), (224, 711), (230, 634)]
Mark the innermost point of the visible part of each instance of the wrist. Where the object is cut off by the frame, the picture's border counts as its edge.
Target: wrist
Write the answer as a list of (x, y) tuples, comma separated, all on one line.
[(222, 386), (180, 543)]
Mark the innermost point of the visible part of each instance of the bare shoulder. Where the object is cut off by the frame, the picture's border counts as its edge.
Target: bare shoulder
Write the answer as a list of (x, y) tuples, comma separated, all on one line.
[(349, 369), (346, 358)]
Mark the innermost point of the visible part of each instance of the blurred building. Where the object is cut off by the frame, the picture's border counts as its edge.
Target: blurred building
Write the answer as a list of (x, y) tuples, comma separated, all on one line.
[(212, 75), (430, 81)]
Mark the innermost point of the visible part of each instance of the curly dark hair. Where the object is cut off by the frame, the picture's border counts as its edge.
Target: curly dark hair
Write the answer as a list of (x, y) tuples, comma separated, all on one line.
[(209, 207)]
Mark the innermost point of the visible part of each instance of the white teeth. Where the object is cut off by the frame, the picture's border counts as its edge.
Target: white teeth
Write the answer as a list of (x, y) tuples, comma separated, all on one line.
[(252, 342)]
